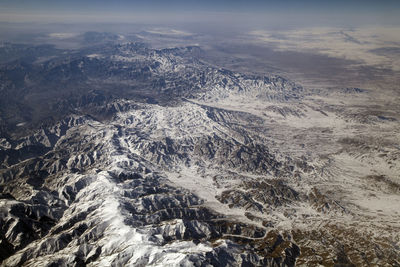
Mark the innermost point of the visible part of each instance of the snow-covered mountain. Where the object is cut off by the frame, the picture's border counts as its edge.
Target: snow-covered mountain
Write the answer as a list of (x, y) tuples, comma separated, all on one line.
[(157, 158)]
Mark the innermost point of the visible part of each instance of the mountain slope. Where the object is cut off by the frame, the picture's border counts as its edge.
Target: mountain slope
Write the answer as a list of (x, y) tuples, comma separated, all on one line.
[(162, 159)]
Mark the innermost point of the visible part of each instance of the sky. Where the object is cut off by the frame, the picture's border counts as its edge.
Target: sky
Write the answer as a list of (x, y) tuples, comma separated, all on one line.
[(317, 11)]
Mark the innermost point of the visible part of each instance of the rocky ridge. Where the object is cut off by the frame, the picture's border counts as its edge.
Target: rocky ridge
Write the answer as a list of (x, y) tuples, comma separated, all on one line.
[(193, 165)]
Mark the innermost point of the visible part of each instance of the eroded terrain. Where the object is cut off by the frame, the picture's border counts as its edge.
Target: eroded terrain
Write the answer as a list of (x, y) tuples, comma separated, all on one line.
[(159, 158)]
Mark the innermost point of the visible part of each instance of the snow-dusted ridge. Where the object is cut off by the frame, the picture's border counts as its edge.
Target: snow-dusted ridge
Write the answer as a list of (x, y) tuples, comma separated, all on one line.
[(238, 170)]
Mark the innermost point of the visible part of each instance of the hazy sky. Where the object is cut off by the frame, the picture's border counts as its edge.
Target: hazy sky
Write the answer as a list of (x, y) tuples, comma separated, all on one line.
[(319, 11)]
